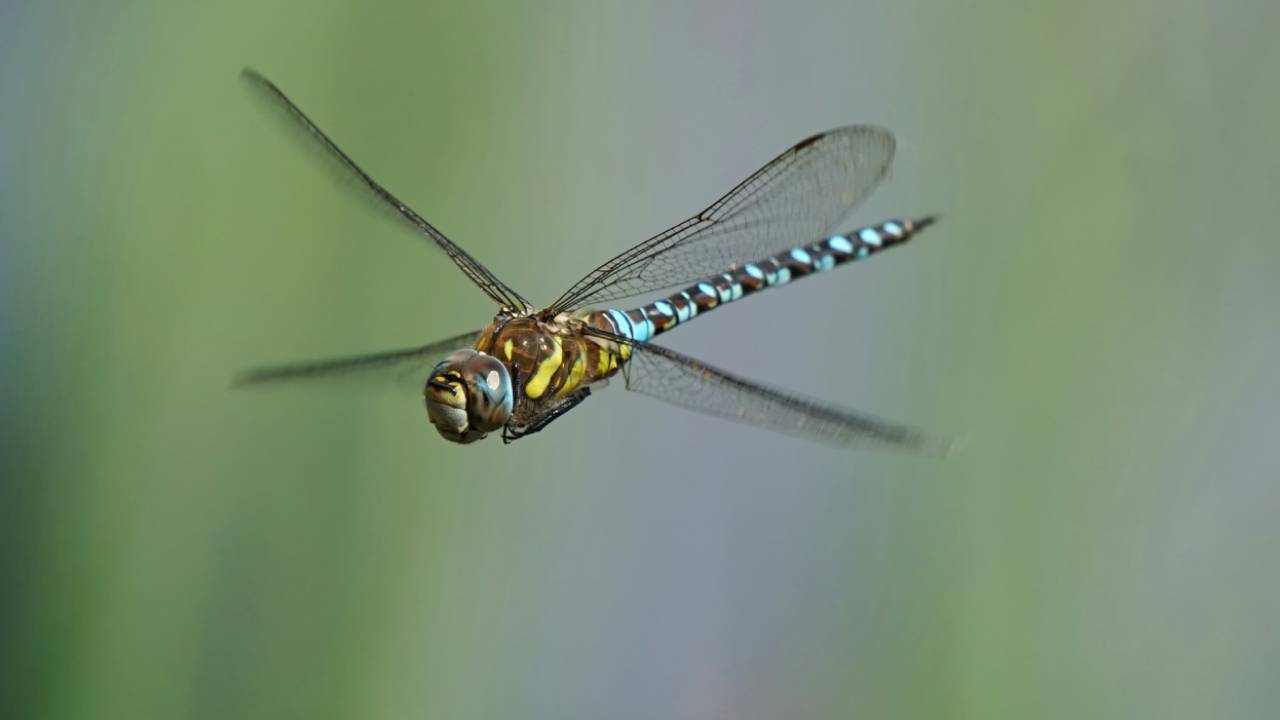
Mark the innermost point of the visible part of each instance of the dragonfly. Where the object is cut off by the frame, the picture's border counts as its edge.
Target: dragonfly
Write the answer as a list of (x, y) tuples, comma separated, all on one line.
[(530, 366)]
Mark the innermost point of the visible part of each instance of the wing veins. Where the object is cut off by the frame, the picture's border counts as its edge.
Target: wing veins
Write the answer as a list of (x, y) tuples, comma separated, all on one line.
[(473, 269), (687, 382), (789, 201)]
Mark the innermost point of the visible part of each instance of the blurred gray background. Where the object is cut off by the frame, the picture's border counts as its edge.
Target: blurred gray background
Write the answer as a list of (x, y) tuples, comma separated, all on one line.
[(1092, 322)]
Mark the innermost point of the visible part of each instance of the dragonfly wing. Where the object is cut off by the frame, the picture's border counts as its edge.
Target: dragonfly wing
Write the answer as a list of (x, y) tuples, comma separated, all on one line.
[(408, 368), (793, 200), (275, 98), (692, 384)]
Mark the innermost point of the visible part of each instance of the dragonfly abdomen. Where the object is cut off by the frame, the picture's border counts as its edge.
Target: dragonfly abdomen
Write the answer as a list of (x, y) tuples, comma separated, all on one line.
[(644, 323)]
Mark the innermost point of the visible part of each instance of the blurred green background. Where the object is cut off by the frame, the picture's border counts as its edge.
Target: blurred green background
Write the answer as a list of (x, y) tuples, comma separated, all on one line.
[(1093, 322)]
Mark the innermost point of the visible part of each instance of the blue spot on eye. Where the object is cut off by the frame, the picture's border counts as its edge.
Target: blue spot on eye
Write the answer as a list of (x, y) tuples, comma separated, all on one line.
[(893, 228), (726, 294), (706, 289), (754, 272), (800, 256), (870, 237), (863, 252), (840, 244), (826, 262), (784, 275), (735, 291), (664, 307)]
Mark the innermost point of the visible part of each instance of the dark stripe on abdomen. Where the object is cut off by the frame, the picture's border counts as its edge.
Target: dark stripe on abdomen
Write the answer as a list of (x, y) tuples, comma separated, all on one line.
[(645, 323)]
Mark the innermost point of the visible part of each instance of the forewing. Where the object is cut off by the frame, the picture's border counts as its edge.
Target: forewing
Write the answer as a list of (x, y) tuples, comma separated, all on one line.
[(272, 96), (795, 199)]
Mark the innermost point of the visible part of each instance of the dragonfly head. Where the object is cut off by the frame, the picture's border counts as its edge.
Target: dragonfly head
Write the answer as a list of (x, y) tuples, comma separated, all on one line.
[(468, 395)]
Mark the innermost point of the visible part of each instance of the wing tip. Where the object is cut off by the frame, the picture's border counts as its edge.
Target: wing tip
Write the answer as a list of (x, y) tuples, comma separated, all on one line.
[(930, 446), (911, 441), (810, 140), (246, 378), (249, 74)]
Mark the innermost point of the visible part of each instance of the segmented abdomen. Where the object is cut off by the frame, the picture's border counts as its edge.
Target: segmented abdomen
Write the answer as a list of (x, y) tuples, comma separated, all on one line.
[(645, 323)]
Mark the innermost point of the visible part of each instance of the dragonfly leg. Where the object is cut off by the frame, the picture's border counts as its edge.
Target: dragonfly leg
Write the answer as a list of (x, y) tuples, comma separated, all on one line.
[(514, 430)]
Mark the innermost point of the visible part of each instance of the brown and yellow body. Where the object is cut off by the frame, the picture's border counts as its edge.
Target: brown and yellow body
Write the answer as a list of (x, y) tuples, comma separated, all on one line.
[(552, 358)]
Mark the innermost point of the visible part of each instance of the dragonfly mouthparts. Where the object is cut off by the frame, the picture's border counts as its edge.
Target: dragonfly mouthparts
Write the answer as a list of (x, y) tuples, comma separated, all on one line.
[(440, 385)]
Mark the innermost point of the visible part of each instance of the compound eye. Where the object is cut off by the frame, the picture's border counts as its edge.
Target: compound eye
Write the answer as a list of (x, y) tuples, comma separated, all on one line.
[(491, 402)]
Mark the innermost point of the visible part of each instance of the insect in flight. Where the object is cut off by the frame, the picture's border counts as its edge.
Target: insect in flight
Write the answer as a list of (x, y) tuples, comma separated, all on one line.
[(528, 367)]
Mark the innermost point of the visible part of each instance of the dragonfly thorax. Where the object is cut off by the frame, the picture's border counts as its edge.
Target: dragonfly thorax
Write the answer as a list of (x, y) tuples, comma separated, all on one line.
[(468, 396)]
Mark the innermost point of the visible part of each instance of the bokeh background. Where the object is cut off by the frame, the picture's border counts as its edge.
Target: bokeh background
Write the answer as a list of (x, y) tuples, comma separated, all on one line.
[(1094, 323)]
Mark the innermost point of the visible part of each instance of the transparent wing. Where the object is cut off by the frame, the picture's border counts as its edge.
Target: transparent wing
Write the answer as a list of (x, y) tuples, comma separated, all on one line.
[(272, 96), (793, 200), (692, 384), (407, 368)]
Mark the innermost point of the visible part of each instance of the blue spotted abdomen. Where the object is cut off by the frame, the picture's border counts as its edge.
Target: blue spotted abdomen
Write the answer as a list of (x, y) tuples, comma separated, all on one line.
[(643, 324)]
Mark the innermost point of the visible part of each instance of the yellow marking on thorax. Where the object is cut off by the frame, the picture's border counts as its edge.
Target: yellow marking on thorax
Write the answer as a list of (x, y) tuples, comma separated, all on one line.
[(506, 349), (575, 374), (538, 383)]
